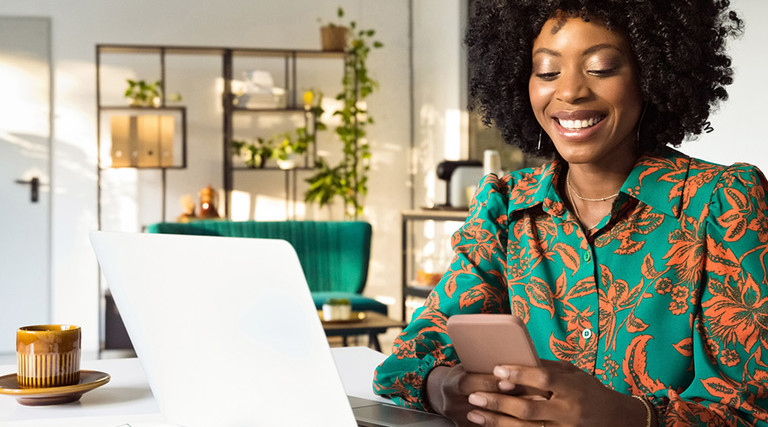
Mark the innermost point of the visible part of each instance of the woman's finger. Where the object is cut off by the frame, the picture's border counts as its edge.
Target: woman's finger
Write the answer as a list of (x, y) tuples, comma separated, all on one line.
[(502, 406), (545, 378), (470, 383)]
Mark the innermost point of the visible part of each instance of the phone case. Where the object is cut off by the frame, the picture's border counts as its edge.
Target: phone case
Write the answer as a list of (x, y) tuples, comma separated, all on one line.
[(483, 341)]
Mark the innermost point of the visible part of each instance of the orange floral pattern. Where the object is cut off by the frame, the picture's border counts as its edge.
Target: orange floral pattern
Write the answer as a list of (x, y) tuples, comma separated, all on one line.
[(668, 299)]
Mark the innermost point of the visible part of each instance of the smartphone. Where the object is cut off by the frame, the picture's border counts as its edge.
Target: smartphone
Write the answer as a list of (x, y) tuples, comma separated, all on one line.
[(483, 341)]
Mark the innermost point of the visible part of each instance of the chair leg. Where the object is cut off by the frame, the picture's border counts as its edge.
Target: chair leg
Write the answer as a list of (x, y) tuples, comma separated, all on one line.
[(344, 340), (373, 341)]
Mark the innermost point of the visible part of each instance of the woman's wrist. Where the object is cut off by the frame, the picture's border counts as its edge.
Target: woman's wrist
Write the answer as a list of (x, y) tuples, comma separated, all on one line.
[(434, 389), (650, 412)]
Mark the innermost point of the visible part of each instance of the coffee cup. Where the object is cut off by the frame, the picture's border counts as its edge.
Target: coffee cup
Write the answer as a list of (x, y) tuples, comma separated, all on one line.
[(48, 355)]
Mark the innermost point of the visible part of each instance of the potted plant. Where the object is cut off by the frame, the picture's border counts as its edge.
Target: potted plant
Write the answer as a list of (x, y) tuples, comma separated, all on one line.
[(334, 37), (255, 154), (290, 148), (293, 144), (143, 94), (336, 309), (348, 179)]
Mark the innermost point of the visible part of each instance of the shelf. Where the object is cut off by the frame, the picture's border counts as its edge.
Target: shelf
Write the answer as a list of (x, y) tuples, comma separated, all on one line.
[(269, 110), (436, 214), (271, 168), (145, 167), (141, 108), (216, 50)]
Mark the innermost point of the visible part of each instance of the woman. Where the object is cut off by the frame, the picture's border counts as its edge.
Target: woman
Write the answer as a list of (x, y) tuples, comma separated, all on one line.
[(640, 272)]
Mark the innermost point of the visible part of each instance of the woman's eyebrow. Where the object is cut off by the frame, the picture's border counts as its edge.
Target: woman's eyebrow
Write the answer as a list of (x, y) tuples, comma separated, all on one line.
[(600, 46), (587, 51), (547, 51)]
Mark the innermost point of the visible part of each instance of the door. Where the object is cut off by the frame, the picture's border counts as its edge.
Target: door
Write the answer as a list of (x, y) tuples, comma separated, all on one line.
[(25, 140)]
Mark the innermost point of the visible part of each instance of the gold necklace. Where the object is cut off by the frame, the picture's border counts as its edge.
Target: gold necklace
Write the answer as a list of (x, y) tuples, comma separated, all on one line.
[(576, 210), (586, 199)]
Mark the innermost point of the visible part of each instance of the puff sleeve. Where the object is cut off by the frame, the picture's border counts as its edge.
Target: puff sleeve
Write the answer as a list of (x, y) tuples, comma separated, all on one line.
[(730, 343)]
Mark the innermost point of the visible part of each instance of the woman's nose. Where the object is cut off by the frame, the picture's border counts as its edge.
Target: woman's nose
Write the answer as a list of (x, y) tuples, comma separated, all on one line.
[(572, 87)]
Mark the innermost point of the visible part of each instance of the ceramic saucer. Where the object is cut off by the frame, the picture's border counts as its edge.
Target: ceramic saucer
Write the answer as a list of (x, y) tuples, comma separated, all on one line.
[(89, 380)]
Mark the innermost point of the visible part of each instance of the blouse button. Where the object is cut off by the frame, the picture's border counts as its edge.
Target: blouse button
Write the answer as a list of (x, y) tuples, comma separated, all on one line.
[(586, 334), (587, 256)]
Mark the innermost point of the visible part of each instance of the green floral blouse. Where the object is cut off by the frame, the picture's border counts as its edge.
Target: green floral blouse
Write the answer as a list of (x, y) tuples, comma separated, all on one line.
[(668, 299)]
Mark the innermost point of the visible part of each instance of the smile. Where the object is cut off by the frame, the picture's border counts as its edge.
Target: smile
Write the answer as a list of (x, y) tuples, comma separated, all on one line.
[(580, 124)]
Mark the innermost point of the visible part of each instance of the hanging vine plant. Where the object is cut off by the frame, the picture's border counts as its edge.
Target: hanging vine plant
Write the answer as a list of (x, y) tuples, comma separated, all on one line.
[(348, 179)]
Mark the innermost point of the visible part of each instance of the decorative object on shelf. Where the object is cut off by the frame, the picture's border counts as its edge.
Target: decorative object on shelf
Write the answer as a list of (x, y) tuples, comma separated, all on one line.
[(348, 179), (188, 209), (257, 91), (428, 279), (208, 203), (142, 137), (333, 37), (142, 140), (143, 94)]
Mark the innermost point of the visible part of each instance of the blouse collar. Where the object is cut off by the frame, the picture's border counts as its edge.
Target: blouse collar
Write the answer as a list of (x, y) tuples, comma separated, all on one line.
[(657, 179)]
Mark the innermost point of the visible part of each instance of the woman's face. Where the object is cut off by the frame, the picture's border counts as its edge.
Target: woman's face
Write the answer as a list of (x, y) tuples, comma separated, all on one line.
[(584, 91)]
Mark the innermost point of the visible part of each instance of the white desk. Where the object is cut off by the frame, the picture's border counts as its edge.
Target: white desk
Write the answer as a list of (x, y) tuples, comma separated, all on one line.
[(127, 399)]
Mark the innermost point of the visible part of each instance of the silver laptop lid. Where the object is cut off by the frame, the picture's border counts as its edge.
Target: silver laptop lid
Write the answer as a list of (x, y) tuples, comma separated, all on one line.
[(225, 329)]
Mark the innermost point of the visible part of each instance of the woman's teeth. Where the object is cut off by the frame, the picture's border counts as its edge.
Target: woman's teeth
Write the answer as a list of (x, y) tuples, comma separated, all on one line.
[(580, 124)]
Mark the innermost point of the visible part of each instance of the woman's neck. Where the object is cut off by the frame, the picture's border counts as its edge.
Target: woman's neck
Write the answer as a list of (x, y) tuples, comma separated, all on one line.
[(591, 189), (594, 183)]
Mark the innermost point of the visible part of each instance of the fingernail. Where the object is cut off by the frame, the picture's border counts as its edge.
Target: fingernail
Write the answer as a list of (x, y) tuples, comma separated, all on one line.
[(476, 418), (506, 385), (477, 399), (501, 372)]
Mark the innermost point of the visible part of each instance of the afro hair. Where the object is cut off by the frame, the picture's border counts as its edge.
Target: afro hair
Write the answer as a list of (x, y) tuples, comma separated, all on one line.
[(678, 45)]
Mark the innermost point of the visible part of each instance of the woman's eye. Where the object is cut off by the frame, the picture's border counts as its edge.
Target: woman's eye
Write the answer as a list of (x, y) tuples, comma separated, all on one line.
[(548, 76), (603, 72)]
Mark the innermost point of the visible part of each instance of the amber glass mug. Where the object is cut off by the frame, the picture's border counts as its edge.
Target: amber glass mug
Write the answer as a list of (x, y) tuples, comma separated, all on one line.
[(48, 355)]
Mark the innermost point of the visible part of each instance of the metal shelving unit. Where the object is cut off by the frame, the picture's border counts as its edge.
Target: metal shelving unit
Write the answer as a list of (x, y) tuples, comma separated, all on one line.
[(228, 55), (410, 288)]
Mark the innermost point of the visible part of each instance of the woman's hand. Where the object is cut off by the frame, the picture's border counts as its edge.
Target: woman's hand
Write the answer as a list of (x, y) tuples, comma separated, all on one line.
[(448, 390), (577, 399)]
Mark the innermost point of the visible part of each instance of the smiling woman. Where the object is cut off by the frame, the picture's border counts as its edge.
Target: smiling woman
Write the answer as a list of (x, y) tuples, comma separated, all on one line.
[(584, 92), (639, 271)]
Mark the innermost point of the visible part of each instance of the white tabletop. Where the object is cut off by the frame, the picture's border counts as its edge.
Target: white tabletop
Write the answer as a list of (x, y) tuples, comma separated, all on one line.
[(127, 399)]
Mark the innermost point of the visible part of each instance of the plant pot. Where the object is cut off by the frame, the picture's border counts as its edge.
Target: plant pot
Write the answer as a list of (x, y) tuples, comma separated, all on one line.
[(333, 38), (289, 162), (333, 312)]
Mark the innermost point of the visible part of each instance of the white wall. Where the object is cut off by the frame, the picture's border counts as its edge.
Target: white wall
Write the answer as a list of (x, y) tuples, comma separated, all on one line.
[(439, 93), (79, 25), (738, 134)]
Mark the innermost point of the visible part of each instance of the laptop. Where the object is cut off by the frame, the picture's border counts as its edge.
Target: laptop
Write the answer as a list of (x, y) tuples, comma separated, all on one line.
[(228, 335)]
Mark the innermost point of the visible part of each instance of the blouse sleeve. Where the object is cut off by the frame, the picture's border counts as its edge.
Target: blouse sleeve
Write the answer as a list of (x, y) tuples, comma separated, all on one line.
[(474, 283), (730, 384)]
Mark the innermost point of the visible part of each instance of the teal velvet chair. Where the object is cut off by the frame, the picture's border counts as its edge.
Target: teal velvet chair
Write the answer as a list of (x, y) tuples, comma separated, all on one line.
[(333, 254)]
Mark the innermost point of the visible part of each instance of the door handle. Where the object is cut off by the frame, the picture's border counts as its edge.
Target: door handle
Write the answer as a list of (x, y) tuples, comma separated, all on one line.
[(34, 191)]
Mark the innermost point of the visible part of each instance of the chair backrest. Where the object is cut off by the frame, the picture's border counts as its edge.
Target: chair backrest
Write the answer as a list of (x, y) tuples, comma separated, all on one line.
[(333, 254)]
